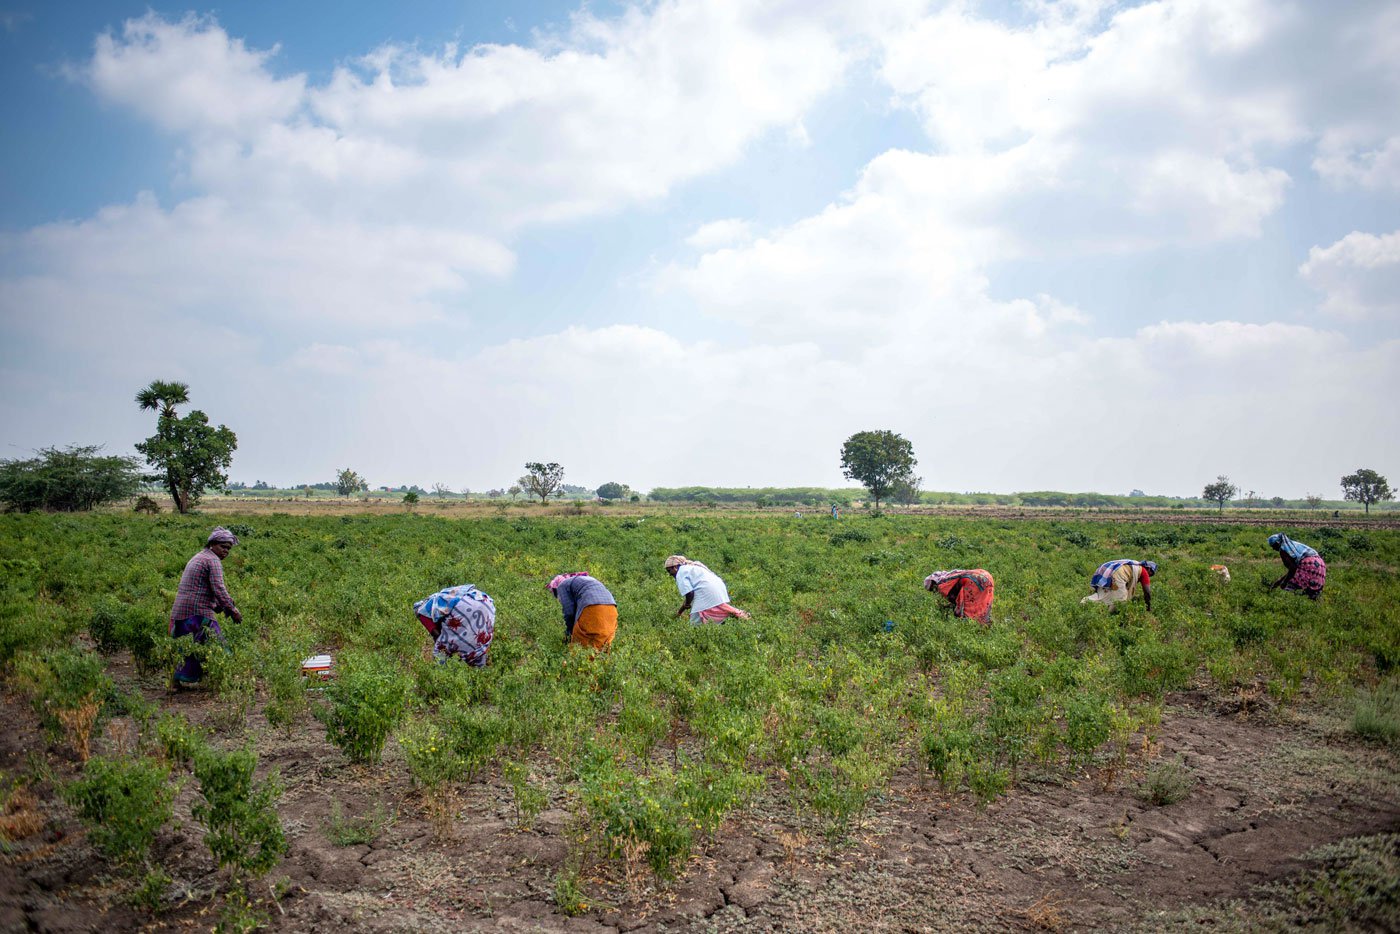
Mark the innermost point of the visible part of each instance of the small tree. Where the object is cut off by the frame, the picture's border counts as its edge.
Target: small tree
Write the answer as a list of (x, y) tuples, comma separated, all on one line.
[(75, 478), (188, 455), (906, 491), (543, 480), (1366, 487), (613, 491), (348, 483), (515, 490), (1220, 492), (441, 490), (1314, 501), (878, 460)]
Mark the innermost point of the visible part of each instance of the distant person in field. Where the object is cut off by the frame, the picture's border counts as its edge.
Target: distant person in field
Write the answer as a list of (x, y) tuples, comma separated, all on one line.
[(590, 612), (969, 593), (462, 621), (1306, 571), (706, 597), (1115, 581), (200, 597)]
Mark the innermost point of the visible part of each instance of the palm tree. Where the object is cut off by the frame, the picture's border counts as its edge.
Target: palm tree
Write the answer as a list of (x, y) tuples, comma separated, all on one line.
[(164, 396)]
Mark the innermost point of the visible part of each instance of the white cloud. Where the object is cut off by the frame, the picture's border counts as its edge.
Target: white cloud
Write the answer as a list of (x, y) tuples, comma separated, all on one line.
[(1359, 275), (722, 233), (609, 113)]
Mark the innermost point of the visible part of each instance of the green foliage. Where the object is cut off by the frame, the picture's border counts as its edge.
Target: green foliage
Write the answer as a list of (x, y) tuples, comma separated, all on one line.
[(1166, 783), (356, 831), (1220, 492), (188, 455), (179, 740), (123, 801), (530, 799), (542, 480), (115, 625), (1356, 889), (68, 480), (348, 483), (881, 461), (239, 816), (568, 895), (1366, 487), (150, 894), (365, 701), (64, 684), (611, 491), (1377, 712), (410, 498)]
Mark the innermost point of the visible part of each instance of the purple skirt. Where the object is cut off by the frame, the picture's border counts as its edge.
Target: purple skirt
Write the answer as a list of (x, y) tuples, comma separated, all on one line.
[(1309, 576), (192, 671)]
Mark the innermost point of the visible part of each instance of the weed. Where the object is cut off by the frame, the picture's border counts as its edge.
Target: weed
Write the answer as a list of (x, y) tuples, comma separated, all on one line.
[(1166, 783), (150, 894), (124, 801), (568, 896), (356, 831), (20, 816), (1377, 713), (529, 798)]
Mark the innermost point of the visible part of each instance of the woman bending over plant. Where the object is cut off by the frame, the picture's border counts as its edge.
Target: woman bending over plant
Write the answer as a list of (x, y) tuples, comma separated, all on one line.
[(968, 592), (461, 621), (590, 612), (1305, 570)]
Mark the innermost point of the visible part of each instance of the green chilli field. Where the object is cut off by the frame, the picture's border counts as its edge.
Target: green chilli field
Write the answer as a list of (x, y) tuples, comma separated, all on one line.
[(852, 752)]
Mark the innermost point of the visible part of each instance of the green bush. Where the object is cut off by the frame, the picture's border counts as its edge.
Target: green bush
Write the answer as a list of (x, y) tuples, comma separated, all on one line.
[(124, 801), (68, 688), (1377, 713), (179, 740), (75, 478), (1166, 783), (238, 813), (365, 701)]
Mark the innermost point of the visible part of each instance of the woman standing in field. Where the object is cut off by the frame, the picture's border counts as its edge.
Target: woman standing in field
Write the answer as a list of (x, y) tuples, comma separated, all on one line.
[(1306, 571), (200, 596), (706, 597), (1115, 580), (968, 592), (590, 612), (462, 621)]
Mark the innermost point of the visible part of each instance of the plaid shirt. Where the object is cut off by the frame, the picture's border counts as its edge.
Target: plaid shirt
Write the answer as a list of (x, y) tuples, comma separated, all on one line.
[(202, 591)]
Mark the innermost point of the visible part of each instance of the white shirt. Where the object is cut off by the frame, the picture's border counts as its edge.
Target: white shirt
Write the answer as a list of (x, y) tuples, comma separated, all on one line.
[(709, 590)]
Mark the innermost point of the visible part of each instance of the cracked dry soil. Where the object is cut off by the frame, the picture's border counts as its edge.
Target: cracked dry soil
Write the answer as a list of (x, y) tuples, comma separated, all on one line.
[(1079, 852)]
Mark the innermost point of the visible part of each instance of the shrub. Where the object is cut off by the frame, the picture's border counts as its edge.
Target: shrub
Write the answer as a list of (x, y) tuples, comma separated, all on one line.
[(366, 701), (432, 760), (179, 740), (124, 801), (238, 814), (75, 478), (145, 504), (1166, 783), (68, 688), (115, 626)]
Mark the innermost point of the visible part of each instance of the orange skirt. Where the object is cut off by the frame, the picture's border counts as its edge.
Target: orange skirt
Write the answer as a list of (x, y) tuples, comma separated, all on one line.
[(596, 625)]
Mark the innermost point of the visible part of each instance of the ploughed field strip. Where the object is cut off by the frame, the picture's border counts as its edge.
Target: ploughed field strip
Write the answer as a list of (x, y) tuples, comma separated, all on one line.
[(853, 754)]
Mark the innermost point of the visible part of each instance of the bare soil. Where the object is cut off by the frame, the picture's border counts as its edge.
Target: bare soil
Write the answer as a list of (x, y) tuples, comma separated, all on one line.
[(1064, 852)]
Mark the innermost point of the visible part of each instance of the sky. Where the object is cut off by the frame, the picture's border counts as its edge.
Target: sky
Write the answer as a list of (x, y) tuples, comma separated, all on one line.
[(1072, 245)]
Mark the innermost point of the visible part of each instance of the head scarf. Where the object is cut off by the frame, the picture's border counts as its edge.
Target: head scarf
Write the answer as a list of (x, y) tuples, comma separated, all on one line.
[(1151, 566), (1295, 550), (938, 578), (675, 561), (560, 578), (221, 535)]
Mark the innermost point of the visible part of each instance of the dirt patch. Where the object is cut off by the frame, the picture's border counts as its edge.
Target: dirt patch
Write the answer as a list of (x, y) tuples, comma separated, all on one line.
[(1075, 852)]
